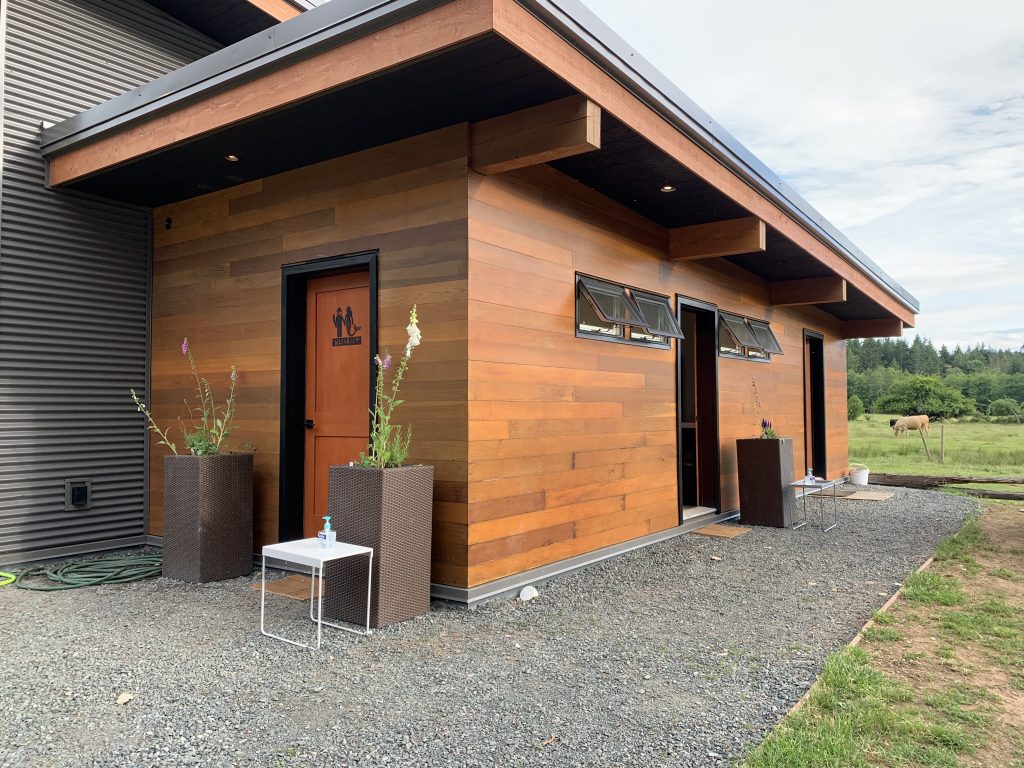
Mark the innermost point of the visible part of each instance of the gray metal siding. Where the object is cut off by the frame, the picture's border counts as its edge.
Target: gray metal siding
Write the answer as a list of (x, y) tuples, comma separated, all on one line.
[(74, 280)]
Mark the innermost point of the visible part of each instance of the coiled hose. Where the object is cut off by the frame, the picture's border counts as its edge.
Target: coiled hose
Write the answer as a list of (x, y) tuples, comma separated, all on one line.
[(90, 573)]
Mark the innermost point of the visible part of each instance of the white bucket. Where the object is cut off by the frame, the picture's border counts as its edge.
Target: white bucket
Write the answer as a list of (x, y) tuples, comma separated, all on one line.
[(858, 477)]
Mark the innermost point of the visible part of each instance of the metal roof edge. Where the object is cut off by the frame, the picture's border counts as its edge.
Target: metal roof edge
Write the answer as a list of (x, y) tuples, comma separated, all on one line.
[(588, 33), (338, 21), (325, 26)]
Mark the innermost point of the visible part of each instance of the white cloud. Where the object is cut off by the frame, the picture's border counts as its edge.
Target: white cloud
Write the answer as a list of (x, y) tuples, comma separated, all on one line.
[(903, 123)]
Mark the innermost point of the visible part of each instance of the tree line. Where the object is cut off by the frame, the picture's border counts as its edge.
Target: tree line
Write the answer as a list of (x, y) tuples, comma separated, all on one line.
[(894, 376)]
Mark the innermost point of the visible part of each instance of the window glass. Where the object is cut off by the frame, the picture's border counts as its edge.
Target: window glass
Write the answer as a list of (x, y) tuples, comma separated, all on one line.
[(740, 330), (659, 315), (588, 321), (766, 339), (728, 344), (611, 302)]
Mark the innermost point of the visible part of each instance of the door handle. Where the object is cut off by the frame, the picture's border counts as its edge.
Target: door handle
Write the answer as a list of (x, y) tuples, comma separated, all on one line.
[(308, 423)]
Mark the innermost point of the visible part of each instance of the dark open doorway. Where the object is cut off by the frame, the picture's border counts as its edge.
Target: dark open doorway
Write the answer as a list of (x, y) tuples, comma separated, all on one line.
[(815, 449), (697, 408), (295, 279)]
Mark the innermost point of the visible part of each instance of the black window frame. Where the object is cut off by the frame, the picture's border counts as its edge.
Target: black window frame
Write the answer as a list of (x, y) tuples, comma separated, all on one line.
[(765, 345), (659, 340)]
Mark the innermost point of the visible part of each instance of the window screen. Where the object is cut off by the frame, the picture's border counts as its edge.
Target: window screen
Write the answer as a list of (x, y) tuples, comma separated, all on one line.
[(611, 302), (739, 329), (743, 337), (588, 322), (766, 339), (659, 315)]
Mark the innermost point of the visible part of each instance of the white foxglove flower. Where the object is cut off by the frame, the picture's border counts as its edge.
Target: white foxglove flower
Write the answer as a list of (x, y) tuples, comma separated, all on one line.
[(414, 337)]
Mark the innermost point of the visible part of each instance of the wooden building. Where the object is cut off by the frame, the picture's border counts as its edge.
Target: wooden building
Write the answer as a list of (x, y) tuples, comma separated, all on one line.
[(602, 274)]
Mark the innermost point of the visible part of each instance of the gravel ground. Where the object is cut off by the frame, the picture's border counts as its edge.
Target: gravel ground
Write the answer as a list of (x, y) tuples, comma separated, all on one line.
[(684, 653)]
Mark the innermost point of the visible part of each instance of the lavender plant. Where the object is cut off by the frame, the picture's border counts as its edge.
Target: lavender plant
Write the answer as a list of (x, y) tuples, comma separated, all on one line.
[(209, 425), (389, 443), (767, 433)]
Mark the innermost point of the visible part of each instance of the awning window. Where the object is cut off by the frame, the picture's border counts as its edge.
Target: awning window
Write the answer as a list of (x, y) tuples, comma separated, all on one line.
[(739, 329), (743, 337), (611, 302), (660, 319), (763, 333), (613, 312)]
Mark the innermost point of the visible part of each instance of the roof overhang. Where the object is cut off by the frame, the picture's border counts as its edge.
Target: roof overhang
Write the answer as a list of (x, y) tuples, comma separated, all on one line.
[(345, 45)]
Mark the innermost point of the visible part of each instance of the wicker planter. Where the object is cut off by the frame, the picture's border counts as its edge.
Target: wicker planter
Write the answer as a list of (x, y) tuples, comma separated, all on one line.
[(765, 472), (390, 510), (207, 517)]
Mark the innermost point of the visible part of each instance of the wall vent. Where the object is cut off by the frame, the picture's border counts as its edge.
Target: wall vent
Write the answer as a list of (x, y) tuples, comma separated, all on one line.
[(77, 495)]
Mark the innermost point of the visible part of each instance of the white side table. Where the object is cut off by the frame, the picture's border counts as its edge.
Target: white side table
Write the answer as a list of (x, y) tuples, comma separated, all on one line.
[(819, 487), (309, 552)]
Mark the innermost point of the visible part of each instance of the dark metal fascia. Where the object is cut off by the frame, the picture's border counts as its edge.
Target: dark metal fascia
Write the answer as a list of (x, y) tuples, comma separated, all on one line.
[(598, 42), (340, 21), (320, 28)]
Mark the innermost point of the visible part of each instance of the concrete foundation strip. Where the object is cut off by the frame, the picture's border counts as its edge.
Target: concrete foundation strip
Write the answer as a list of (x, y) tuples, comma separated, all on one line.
[(856, 640)]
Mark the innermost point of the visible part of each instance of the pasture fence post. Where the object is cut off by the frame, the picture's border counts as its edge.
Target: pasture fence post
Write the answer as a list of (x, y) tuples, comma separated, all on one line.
[(924, 441), (942, 442)]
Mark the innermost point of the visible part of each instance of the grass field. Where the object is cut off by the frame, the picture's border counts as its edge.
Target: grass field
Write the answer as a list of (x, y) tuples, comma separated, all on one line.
[(993, 450)]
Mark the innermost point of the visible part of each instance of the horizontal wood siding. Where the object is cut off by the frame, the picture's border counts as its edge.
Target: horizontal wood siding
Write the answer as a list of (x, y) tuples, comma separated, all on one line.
[(217, 280), (573, 441)]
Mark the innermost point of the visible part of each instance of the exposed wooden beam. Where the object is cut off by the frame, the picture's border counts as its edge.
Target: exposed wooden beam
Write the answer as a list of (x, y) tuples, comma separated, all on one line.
[(872, 329), (563, 128), (513, 22), (276, 9), (811, 290), (718, 238)]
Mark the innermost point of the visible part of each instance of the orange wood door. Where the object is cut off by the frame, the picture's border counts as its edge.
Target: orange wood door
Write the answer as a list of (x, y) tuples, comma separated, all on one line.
[(337, 382)]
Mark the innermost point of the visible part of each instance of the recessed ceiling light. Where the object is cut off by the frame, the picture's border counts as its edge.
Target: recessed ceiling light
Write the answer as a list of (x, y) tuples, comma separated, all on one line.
[(667, 188), (231, 158)]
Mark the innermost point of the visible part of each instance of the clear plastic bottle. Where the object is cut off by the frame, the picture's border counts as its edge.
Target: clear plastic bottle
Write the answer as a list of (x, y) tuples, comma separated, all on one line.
[(327, 536)]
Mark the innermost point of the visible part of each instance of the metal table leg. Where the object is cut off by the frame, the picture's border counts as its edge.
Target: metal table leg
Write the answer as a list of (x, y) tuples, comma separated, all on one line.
[(803, 518), (835, 511), (369, 588)]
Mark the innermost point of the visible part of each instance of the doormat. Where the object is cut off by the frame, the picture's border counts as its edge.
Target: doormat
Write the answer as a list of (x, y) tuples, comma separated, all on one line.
[(722, 531), (295, 586), (869, 496)]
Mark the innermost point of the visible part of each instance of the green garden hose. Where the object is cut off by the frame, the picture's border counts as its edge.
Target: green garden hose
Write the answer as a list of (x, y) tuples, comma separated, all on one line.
[(6, 578), (91, 573)]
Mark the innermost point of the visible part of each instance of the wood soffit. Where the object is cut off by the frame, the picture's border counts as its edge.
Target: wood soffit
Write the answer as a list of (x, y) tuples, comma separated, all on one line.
[(468, 45)]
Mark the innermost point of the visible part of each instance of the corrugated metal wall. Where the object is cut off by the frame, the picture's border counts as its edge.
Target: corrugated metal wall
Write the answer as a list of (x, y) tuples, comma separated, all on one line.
[(74, 281)]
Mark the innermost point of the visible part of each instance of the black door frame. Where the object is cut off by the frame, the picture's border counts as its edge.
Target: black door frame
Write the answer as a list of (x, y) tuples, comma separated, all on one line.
[(294, 278), (814, 388), (704, 432)]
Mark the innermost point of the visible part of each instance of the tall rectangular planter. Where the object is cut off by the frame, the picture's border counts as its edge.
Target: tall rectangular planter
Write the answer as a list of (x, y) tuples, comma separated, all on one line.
[(390, 510), (765, 472), (207, 517)]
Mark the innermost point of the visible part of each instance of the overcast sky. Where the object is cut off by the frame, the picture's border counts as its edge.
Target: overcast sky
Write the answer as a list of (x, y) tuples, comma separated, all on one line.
[(901, 121)]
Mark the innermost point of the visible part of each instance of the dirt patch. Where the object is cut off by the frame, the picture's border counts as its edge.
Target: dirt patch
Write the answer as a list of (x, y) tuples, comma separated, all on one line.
[(964, 659)]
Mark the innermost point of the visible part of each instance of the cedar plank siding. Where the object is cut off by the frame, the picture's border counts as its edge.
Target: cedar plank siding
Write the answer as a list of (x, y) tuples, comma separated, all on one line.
[(546, 445), (573, 443), (217, 280)]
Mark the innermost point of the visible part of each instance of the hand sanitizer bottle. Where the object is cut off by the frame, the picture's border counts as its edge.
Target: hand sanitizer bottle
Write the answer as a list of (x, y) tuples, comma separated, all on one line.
[(810, 475), (327, 536)]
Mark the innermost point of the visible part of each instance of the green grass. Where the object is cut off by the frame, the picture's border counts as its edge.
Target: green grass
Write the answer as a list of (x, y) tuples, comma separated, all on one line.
[(882, 634), (960, 547), (980, 450), (1004, 573), (883, 618), (929, 588), (855, 711)]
